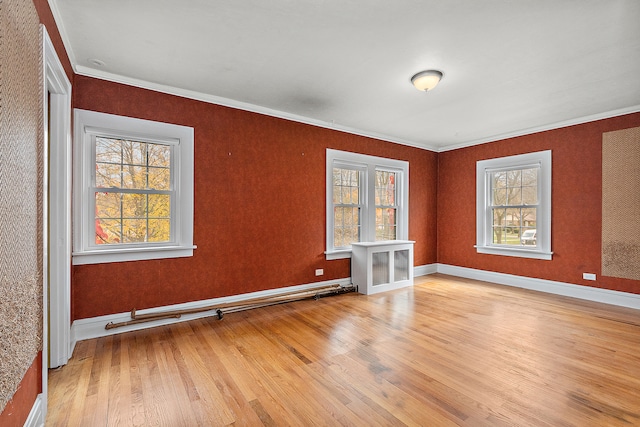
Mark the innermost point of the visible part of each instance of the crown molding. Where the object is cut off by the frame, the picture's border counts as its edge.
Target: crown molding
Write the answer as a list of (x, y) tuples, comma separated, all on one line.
[(543, 128)]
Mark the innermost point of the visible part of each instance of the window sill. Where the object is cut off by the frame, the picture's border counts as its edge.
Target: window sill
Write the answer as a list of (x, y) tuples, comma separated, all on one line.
[(515, 252), (131, 254), (341, 254)]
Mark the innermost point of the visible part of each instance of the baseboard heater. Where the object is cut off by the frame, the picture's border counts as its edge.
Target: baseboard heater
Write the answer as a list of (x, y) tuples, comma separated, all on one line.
[(222, 309)]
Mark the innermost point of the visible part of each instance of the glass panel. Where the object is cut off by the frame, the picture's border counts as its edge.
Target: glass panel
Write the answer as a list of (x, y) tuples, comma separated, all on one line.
[(499, 217), (134, 177), (134, 205), (529, 195), (401, 265), (107, 231), (159, 179), (108, 205), (380, 268), (499, 197), (132, 164), (108, 150), (499, 179), (346, 226), (159, 155), (346, 195), (159, 205), (499, 235), (134, 230), (159, 230), (385, 224), (529, 217), (514, 197), (385, 188), (108, 175), (514, 178)]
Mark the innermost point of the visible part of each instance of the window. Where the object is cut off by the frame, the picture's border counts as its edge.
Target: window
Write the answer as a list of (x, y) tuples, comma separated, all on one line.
[(367, 200), (133, 182), (514, 206)]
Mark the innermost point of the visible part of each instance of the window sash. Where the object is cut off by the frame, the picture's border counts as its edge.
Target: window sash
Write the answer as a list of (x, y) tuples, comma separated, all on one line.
[(346, 232), (170, 148), (513, 188), (515, 222)]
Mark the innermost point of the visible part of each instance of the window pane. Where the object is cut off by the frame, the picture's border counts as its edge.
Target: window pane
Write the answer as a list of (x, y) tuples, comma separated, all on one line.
[(499, 179), (134, 230), (499, 235), (132, 164), (385, 191), (385, 224), (107, 231), (159, 179), (514, 197), (530, 195), (346, 186), (159, 230), (512, 217), (159, 205), (529, 217), (346, 195), (108, 150), (134, 177), (134, 205), (514, 178), (499, 217), (159, 155), (530, 177), (108, 205), (108, 175), (500, 197), (132, 218), (346, 226)]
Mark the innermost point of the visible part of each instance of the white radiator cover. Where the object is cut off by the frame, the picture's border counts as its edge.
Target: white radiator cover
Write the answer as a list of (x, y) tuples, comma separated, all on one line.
[(382, 266)]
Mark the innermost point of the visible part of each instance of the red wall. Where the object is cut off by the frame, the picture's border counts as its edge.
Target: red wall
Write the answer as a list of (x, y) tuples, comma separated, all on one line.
[(576, 204), (17, 410), (46, 18), (259, 204)]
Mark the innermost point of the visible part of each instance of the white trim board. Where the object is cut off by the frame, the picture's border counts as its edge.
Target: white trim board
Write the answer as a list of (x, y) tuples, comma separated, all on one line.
[(36, 415), (425, 270), (94, 327), (606, 296)]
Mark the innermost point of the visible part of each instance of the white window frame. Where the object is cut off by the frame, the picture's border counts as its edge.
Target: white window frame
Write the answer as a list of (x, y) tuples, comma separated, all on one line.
[(484, 232), (91, 124), (368, 165)]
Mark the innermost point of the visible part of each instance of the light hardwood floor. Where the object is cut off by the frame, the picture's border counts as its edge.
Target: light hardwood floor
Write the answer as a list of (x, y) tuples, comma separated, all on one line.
[(446, 352)]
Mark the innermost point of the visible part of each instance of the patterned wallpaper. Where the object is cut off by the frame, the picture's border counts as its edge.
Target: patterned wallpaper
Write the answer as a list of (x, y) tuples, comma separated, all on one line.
[(21, 121)]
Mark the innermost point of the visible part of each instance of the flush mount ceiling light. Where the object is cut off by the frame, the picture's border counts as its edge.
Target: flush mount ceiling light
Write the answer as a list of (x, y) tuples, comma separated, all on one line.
[(426, 80)]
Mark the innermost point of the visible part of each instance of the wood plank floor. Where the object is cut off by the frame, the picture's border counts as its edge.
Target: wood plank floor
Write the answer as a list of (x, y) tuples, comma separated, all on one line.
[(446, 352)]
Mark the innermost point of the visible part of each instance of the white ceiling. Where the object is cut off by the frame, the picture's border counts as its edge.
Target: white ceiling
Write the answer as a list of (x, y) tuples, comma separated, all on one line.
[(510, 67)]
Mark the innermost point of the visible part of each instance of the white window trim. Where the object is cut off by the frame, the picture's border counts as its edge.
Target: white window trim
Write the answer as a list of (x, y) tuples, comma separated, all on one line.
[(369, 164), (88, 124), (484, 239)]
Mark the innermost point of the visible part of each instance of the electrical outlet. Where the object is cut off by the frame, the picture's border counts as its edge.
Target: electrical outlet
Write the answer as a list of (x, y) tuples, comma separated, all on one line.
[(588, 276), (319, 271)]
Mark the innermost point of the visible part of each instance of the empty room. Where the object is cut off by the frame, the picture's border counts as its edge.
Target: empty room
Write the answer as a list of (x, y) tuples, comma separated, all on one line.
[(305, 213)]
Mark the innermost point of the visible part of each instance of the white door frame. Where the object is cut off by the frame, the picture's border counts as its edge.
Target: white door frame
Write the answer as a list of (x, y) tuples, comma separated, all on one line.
[(57, 214)]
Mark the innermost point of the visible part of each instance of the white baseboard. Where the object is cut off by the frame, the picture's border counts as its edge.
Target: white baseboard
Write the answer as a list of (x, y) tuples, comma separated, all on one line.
[(94, 327), (607, 296), (36, 415), (424, 270)]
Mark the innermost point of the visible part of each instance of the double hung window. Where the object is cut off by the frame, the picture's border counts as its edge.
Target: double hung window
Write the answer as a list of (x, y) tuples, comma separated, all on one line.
[(134, 189), (367, 200), (514, 205)]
